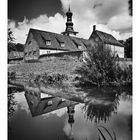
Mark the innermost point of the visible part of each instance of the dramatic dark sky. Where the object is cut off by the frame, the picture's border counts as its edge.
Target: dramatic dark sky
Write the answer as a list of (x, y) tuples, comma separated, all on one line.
[(17, 9)]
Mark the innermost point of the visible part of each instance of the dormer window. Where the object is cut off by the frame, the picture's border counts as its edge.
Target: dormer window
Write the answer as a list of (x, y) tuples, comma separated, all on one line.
[(60, 41), (79, 46), (29, 42), (77, 43), (48, 42), (62, 44)]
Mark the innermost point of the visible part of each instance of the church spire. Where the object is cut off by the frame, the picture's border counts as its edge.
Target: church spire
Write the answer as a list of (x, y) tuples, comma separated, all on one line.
[(69, 24), (69, 7)]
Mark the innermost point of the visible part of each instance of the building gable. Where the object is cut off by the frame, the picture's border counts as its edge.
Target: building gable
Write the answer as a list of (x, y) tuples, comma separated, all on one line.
[(31, 50), (98, 36)]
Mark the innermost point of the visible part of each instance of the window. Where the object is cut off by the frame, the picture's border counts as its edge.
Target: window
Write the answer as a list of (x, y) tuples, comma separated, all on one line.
[(77, 43), (35, 52), (62, 44), (48, 52), (80, 47), (60, 41), (48, 42)]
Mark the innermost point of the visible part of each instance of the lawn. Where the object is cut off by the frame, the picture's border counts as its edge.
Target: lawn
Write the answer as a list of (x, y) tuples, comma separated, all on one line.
[(60, 65)]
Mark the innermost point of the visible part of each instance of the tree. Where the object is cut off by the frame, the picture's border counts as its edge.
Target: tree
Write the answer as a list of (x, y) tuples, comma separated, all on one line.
[(130, 3), (128, 47), (10, 39), (100, 67), (10, 36)]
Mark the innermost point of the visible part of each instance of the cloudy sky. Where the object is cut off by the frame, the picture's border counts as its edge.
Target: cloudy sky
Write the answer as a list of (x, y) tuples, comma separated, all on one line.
[(110, 16)]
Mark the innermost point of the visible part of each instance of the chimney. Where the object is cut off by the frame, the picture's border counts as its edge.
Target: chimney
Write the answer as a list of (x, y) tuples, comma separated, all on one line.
[(94, 27)]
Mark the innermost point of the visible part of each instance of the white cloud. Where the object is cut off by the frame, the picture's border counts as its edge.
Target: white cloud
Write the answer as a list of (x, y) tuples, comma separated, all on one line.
[(110, 17), (43, 22), (120, 22)]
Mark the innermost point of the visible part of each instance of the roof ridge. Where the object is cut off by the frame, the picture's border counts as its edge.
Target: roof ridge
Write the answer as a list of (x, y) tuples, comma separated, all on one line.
[(108, 38), (45, 31), (57, 34), (106, 34)]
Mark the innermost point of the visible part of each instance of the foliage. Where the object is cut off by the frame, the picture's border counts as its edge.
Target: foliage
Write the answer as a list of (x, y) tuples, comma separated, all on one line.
[(130, 2), (11, 105), (101, 68), (10, 36), (11, 76), (128, 43), (128, 47), (99, 113), (124, 77), (102, 136), (53, 79)]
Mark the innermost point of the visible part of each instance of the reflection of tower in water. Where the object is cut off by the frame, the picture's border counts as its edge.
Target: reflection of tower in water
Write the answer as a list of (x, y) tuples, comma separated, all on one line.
[(71, 112)]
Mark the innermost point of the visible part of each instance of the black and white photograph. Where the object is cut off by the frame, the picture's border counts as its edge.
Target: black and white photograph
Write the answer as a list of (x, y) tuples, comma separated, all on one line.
[(69, 70)]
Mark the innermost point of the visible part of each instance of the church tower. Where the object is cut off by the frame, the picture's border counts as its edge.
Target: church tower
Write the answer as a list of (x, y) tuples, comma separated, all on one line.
[(69, 24)]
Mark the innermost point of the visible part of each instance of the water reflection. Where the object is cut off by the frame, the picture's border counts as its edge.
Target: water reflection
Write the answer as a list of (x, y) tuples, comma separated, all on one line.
[(47, 104), (102, 106), (11, 105), (11, 99), (39, 106)]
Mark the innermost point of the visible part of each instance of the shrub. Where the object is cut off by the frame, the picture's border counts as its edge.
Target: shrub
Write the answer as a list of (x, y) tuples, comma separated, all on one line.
[(11, 76), (100, 68), (47, 79)]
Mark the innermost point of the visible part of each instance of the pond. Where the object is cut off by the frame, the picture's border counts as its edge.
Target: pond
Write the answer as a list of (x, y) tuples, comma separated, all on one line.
[(39, 116)]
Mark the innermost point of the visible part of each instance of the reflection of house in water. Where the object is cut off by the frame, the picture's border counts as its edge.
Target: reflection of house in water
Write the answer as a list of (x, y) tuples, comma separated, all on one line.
[(11, 99), (48, 104)]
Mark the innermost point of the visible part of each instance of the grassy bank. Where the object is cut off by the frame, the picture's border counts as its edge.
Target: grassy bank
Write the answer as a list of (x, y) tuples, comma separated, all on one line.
[(52, 65), (69, 74), (55, 72)]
